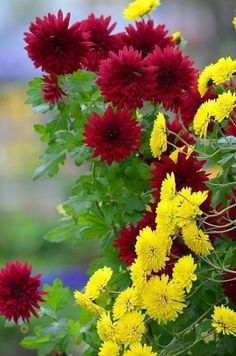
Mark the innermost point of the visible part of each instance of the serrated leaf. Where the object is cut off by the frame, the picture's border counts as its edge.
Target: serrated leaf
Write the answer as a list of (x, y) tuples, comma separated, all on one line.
[(63, 231), (57, 296)]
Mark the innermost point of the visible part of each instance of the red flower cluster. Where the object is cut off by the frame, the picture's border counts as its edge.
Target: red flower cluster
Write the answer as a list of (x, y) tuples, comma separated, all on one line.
[(19, 292), (194, 178), (113, 136)]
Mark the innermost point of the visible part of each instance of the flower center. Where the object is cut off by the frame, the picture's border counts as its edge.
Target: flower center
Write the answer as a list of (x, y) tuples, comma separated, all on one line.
[(57, 44), (17, 291), (112, 135), (166, 77)]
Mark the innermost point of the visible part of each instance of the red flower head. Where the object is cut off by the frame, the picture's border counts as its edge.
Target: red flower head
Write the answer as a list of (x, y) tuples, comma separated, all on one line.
[(145, 36), (176, 127), (113, 136), (126, 241), (99, 30), (19, 292), (187, 170), (231, 127), (174, 75), (55, 47), (190, 104), (125, 80), (229, 287), (52, 92)]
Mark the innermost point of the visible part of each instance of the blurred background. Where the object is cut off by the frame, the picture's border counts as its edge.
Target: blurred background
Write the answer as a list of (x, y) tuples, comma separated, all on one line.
[(28, 209)]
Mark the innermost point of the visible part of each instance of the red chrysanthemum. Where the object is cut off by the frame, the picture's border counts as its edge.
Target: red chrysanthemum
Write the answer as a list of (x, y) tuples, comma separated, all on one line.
[(102, 41), (231, 126), (174, 75), (187, 170), (178, 129), (113, 136), (229, 285), (52, 92), (145, 36), (19, 292), (190, 104), (126, 241), (125, 80), (56, 47)]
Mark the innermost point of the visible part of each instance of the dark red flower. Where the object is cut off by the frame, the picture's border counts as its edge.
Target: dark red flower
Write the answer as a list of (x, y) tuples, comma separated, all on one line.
[(113, 136), (229, 287), (19, 292), (190, 104), (125, 80), (177, 128), (102, 41), (145, 36), (126, 241), (231, 126), (174, 76), (56, 47), (52, 92), (187, 170)]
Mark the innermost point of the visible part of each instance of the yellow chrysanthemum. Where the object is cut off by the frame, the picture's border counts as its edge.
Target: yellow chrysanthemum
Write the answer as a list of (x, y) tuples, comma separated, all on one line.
[(189, 204), (166, 217), (130, 328), (140, 350), (163, 299), (139, 275), (224, 320), (105, 328), (183, 272), (140, 8), (202, 118), (188, 150), (224, 69), (158, 140), (225, 104), (196, 240), (87, 303), (109, 348), (234, 21), (126, 302), (176, 36), (168, 187), (205, 79), (151, 248), (98, 282)]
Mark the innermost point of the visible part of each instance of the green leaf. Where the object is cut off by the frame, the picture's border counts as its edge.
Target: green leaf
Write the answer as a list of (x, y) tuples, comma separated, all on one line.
[(57, 296), (65, 229), (34, 342), (35, 97)]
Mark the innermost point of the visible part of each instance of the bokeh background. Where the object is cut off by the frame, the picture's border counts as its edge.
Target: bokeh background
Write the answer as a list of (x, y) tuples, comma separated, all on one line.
[(29, 209)]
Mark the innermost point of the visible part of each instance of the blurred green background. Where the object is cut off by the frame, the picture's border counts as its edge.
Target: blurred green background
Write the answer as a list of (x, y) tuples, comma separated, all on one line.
[(29, 209)]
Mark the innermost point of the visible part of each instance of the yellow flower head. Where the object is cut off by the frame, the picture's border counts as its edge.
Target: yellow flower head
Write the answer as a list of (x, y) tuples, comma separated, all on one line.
[(205, 79), (151, 249), (168, 187), (98, 282), (126, 302), (140, 350), (183, 272), (197, 240), (225, 104), (234, 21), (130, 328), (139, 275), (105, 328), (109, 348), (166, 217), (163, 299), (202, 118), (158, 140), (140, 8), (224, 320), (176, 36), (224, 69), (86, 303)]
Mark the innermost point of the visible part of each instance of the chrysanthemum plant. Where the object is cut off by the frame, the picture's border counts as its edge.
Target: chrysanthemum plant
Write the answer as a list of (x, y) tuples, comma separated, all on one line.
[(157, 140)]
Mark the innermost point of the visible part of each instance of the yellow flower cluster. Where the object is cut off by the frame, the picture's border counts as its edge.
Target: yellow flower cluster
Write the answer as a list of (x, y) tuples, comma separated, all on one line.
[(94, 288), (158, 140), (140, 8), (215, 74), (219, 109), (224, 320)]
